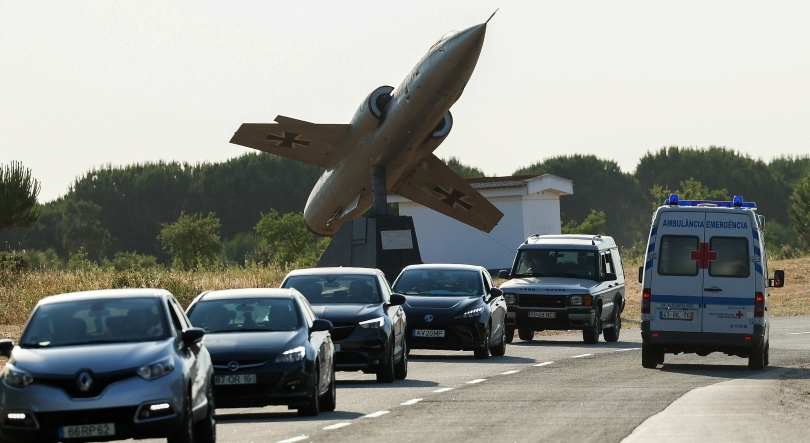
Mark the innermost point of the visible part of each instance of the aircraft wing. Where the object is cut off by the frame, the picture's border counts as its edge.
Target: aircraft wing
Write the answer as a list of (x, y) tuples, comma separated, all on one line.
[(435, 185), (298, 140)]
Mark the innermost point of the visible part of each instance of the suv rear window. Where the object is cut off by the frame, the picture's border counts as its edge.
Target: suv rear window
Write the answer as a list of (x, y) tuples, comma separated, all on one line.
[(675, 255)]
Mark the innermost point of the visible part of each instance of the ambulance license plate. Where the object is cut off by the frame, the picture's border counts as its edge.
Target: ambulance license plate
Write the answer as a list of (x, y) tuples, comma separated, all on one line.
[(676, 315), (540, 314), (428, 333), (85, 431)]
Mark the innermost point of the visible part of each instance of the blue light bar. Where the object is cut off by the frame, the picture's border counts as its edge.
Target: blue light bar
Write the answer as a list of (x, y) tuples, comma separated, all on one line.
[(738, 202)]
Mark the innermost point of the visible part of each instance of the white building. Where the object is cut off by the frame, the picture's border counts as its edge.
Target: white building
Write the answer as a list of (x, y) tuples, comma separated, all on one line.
[(530, 204)]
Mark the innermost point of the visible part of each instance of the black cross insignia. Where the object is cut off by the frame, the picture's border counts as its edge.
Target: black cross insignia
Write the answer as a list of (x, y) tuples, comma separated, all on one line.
[(287, 140), (452, 198)]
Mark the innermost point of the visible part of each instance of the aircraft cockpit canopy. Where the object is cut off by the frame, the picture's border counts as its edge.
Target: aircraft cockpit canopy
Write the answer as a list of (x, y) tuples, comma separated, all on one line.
[(444, 37)]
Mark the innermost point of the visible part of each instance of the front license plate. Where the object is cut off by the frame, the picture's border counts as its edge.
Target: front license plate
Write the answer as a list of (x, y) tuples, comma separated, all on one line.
[(236, 379), (337, 347), (676, 315), (84, 431), (540, 314), (428, 332)]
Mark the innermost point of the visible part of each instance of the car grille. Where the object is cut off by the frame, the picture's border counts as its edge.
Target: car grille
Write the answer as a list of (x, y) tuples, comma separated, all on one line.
[(541, 301), (70, 383), (49, 420), (342, 330), (243, 364)]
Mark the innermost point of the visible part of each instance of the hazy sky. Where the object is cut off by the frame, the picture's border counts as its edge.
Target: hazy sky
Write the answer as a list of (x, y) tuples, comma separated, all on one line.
[(85, 84)]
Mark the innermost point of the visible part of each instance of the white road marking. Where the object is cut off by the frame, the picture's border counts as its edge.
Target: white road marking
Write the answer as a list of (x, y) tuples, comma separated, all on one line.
[(477, 380), (509, 372), (294, 439), (336, 426), (375, 414), (583, 355), (798, 333), (443, 390), (411, 402), (626, 349), (545, 363)]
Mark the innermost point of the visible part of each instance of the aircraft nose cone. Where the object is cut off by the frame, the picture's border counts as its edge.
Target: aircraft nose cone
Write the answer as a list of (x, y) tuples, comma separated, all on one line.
[(470, 40)]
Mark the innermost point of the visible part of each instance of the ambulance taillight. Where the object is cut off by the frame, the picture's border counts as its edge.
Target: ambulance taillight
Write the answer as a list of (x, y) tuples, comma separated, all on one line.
[(759, 305), (645, 301)]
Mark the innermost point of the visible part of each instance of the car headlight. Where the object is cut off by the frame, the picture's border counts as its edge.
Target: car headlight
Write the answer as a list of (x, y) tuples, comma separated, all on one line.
[(17, 378), (157, 369), (291, 356), (581, 300), (511, 299), (472, 313), (374, 323)]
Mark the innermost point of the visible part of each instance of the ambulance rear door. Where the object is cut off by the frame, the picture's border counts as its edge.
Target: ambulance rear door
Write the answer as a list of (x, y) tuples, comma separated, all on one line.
[(676, 289), (729, 282)]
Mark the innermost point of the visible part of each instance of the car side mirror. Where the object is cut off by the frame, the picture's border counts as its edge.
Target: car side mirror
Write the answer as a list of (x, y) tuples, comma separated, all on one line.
[(192, 336), (397, 299), (496, 292), (778, 279), (6, 346), (320, 325), (641, 274), (608, 277), (503, 273)]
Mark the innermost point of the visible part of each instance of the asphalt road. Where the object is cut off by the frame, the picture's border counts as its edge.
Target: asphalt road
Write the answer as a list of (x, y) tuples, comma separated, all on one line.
[(558, 389)]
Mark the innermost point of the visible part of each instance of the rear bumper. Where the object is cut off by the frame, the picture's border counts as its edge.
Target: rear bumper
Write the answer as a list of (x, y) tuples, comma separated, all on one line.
[(703, 343), (571, 318)]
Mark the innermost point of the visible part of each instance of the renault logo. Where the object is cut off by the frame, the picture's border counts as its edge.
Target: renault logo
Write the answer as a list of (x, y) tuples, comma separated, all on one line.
[(428, 318), (85, 381), (233, 366)]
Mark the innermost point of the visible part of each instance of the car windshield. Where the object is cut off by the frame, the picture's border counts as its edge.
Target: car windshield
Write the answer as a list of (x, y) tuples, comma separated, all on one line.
[(92, 321), (573, 263), (245, 315), (328, 289), (438, 282)]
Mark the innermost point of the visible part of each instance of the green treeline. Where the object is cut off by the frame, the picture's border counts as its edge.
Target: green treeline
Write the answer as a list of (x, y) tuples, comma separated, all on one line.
[(115, 212)]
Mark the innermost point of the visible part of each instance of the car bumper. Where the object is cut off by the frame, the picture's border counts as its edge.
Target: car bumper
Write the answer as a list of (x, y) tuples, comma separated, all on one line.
[(363, 350), (704, 342), (125, 404), (457, 336), (571, 318), (289, 386)]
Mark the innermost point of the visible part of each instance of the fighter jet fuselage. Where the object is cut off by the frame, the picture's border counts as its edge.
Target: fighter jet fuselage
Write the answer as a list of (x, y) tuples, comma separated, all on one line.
[(397, 129)]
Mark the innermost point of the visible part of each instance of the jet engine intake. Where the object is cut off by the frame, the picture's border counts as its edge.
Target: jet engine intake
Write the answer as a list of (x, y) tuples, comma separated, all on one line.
[(444, 126), (378, 101)]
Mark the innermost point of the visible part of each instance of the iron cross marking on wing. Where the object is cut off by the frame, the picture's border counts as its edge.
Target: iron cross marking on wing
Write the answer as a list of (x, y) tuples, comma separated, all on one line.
[(287, 140), (453, 197)]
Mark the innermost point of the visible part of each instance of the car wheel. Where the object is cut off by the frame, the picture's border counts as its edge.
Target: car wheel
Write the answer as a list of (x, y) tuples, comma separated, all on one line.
[(612, 334), (756, 360), (510, 334), (386, 373), (483, 353), (591, 335), (526, 334), (651, 356), (206, 430), (401, 369), (500, 349), (312, 409), (186, 433), (329, 400), (767, 362)]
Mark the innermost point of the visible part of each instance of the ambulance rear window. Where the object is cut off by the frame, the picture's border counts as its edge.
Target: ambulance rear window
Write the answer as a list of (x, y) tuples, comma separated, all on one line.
[(675, 256), (732, 257)]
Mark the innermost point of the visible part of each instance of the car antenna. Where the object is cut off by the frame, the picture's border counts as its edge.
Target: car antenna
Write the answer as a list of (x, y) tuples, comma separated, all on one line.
[(493, 15)]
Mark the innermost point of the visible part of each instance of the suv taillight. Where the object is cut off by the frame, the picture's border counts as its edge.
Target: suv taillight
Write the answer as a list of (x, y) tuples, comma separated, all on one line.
[(645, 301), (759, 305)]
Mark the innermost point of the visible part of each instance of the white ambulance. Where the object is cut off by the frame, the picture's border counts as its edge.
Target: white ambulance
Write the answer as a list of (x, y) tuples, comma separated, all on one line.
[(705, 282)]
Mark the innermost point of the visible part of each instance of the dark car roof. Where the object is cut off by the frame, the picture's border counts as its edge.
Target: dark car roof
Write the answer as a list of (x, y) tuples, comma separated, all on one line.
[(106, 293), (248, 293)]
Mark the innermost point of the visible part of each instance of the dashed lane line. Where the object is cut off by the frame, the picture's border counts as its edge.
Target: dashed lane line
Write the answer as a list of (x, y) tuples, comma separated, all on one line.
[(545, 363), (375, 414), (411, 402), (583, 355), (797, 333), (443, 390), (477, 380), (509, 372), (294, 439), (626, 349), (337, 426)]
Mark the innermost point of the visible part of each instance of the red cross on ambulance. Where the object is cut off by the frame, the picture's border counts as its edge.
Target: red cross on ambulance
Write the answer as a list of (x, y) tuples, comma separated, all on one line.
[(704, 255)]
